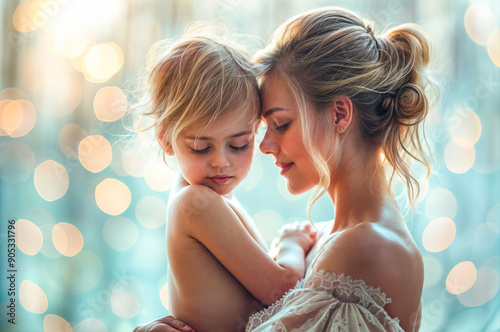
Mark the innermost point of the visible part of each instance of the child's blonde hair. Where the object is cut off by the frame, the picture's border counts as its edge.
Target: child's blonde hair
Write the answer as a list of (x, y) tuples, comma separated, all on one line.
[(202, 76), (331, 52)]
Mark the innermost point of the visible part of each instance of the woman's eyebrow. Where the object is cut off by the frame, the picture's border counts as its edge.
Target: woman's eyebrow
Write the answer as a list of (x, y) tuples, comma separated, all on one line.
[(272, 110)]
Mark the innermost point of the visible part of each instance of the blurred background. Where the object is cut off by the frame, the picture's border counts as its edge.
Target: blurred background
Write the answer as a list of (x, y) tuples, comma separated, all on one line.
[(90, 206)]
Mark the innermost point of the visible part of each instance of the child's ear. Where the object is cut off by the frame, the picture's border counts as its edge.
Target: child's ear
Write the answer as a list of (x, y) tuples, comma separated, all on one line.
[(164, 144)]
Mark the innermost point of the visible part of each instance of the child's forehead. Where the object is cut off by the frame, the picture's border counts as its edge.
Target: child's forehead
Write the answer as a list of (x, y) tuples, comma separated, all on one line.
[(225, 126)]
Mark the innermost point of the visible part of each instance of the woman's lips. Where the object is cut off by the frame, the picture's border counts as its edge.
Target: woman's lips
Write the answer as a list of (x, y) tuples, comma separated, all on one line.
[(284, 167), (220, 179)]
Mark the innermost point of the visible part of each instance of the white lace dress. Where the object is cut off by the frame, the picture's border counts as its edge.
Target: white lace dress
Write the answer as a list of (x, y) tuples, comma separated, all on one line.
[(327, 302)]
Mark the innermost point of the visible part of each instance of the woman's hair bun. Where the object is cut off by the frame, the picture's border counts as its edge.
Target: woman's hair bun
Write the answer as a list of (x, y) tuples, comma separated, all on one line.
[(410, 104)]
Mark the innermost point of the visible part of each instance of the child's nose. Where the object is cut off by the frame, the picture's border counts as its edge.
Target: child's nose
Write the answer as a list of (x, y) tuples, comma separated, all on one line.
[(220, 159)]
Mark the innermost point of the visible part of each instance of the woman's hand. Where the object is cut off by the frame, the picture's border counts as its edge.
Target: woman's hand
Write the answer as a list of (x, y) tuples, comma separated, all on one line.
[(164, 324)]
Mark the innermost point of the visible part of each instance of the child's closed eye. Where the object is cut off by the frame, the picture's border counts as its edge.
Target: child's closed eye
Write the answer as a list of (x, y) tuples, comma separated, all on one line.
[(200, 151), (239, 148)]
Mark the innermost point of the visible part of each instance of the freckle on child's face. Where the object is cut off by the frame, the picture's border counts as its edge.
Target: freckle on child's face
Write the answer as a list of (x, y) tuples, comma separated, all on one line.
[(220, 157)]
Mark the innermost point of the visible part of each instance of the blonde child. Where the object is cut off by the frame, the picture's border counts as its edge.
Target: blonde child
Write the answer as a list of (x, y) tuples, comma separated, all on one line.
[(205, 102)]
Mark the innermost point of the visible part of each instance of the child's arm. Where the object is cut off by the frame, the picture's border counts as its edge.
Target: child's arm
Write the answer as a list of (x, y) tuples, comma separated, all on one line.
[(210, 220), (249, 223)]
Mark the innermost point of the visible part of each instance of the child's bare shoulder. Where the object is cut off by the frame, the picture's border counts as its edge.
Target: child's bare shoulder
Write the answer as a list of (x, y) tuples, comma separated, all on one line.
[(195, 203)]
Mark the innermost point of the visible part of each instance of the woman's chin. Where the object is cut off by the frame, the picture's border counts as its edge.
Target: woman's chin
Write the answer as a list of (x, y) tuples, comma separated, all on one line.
[(296, 189)]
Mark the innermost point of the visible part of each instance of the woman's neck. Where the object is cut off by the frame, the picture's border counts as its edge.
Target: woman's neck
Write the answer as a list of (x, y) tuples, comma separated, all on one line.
[(359, 191)]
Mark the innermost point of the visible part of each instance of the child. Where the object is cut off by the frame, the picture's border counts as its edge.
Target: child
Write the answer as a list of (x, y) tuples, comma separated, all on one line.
[(206, 105)]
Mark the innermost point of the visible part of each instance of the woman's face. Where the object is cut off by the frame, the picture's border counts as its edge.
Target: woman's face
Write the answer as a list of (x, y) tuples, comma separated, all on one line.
[(283, 138), (220, 157)]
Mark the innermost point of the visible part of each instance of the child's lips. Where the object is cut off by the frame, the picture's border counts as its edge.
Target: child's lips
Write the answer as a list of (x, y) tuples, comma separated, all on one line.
[(220, 179)]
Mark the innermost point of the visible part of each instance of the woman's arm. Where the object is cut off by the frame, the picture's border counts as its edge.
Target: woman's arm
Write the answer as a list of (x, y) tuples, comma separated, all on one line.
[(210, 220)]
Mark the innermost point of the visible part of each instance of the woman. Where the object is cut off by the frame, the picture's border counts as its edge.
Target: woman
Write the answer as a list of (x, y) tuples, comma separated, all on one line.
[(343, 110)]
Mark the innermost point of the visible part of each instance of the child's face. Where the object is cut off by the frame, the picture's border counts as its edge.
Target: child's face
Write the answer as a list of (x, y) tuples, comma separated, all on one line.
[(221, 157)]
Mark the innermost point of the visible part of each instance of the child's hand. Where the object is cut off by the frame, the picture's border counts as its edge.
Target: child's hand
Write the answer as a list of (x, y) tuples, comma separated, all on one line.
[(301, 233)]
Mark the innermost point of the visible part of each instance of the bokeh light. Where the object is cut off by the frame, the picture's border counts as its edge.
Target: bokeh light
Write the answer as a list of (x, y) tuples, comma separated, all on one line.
[(151, 211), (110, 104), (494, 47), (51, 180), (119, 233), (461, 277), (67, 239), (125, 297), (112, 196), (440, 203), (485, 235), (23, 18), (12, 94), (433, 270), (124, 304), (17, 161), (424, 191), (19, 117), (164, 296), (133, 162), (102, 62), (465, 127), (439, 234), (32, 297), (268, 222), (69, 139), (55, 323), (3, 104), (459, 156), (29, 238), (91, 325), (69, 42), (479, 23), (487, 148), (12, 117), (484, 289), (159, 176), (94, 152), (48, 248)]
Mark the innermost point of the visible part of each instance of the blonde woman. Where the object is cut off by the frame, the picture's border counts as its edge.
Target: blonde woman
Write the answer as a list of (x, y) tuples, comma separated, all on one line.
[(343, 108)]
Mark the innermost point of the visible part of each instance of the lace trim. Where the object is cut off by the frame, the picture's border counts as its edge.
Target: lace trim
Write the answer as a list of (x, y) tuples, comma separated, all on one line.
[(345, 286), (338, 285)]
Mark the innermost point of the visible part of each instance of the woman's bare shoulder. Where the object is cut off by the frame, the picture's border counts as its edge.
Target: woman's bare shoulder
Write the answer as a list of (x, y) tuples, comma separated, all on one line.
[(371, 252)]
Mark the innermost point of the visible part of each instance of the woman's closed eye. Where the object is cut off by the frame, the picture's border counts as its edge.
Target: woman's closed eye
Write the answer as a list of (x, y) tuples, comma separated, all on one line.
[(283, 127)]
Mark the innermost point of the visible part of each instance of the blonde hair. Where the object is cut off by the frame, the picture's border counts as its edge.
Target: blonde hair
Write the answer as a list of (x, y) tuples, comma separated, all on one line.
[(197, 79), (331, 52)]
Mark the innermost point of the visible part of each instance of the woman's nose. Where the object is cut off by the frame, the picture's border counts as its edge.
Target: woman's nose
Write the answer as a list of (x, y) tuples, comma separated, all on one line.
[(269, 145)]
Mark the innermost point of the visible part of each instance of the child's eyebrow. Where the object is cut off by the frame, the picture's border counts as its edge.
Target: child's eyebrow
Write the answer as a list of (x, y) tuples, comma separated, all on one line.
[(243, 133)]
